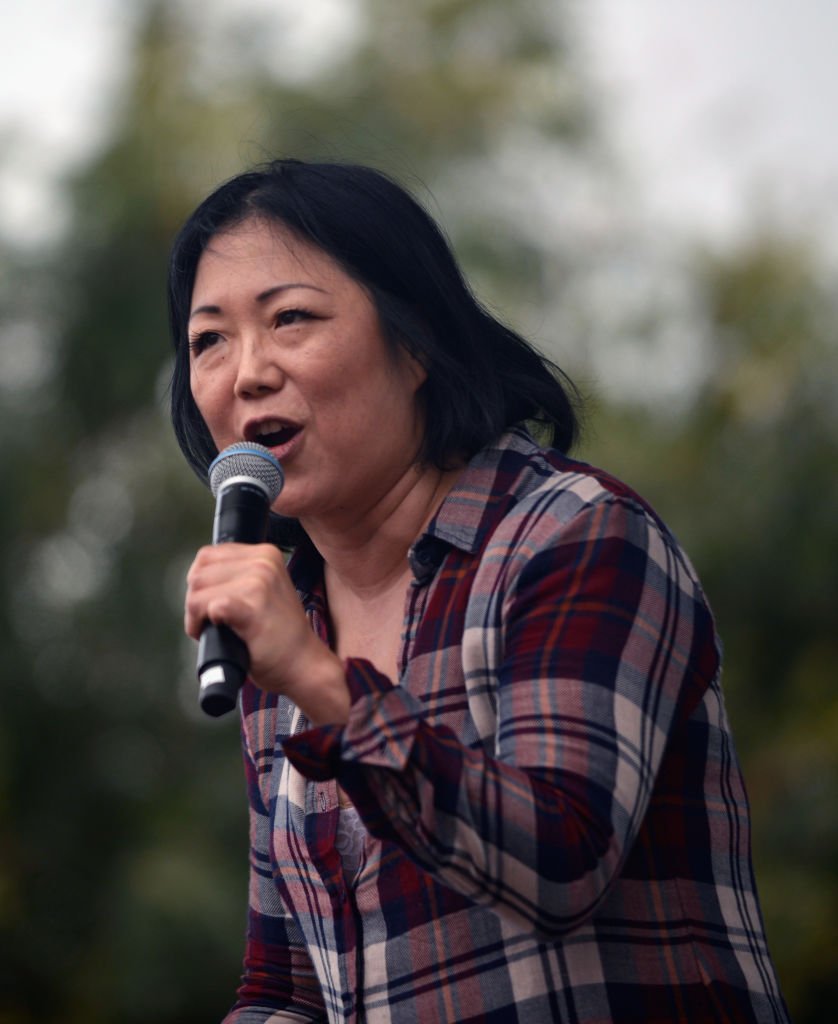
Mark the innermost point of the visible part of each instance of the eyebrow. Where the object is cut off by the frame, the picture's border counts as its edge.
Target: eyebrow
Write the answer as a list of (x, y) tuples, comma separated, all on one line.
[(262, 297)]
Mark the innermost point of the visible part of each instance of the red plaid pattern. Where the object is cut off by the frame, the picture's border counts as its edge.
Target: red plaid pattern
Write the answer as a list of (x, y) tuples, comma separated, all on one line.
[(557, 825)]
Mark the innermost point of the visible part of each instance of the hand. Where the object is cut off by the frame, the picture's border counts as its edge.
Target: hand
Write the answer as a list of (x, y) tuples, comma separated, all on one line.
[(247, 587)]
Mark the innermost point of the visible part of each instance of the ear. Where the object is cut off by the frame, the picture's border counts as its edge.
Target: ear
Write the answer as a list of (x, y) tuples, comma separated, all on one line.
[(416, 371)]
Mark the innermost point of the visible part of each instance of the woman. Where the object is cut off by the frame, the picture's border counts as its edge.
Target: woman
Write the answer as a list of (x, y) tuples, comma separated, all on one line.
[(490, 772)]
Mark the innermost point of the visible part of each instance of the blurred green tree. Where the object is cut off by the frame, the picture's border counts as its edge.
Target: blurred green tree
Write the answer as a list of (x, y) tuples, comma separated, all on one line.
[(745, 472), (124, 849)]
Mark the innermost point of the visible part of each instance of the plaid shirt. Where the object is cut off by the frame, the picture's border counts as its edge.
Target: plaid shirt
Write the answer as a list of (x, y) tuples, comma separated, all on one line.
[(557, 825)]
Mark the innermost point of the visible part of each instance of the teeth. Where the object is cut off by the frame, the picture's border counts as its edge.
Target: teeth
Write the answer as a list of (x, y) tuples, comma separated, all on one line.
[(273, 432), (272, 427)]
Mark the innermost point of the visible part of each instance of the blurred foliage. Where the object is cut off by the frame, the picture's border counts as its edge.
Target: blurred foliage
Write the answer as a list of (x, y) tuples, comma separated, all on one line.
[(123, 848), (746, 475)]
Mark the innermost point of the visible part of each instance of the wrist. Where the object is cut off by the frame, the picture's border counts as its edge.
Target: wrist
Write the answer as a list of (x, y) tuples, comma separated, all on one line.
[(320, 689)]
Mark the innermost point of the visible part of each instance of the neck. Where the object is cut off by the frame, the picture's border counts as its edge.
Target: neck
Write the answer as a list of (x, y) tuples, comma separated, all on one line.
[(367, 551)]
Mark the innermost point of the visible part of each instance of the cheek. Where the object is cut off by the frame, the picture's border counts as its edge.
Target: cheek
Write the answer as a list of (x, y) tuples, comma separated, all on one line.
[(378, 410), (207, 397), (196, 386)]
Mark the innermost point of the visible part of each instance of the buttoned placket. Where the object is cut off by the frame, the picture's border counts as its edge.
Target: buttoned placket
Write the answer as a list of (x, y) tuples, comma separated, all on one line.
[(424, 565), (321, 797)]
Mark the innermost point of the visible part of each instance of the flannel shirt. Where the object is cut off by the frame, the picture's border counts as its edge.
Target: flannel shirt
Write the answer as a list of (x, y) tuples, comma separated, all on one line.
[(557, 828)]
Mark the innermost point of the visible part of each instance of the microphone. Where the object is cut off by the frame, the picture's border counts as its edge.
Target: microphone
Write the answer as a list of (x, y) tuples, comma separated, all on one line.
[(245, 480)]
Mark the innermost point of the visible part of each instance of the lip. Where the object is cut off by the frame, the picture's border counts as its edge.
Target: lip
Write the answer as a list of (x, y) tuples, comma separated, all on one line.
[(283, 452)]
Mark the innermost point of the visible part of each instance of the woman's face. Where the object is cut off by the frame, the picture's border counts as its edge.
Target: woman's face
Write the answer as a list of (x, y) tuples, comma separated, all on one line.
[(286, 350)]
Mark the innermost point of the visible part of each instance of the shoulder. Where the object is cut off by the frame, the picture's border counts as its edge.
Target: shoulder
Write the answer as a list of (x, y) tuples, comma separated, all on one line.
[(544, 484), (562, 505)]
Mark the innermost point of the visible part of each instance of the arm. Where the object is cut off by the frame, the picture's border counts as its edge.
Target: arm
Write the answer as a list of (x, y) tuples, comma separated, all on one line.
[(605, 643)]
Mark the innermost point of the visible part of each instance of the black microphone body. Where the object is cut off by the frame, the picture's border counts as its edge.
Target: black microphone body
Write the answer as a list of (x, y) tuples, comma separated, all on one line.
[(242, 507)]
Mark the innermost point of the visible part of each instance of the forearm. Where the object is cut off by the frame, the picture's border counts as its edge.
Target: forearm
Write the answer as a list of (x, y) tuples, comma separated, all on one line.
[(542, 854), (494, 832)]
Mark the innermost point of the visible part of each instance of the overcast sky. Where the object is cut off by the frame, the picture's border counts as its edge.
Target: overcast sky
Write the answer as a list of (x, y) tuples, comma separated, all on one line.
[(724, 106), (717, 107)]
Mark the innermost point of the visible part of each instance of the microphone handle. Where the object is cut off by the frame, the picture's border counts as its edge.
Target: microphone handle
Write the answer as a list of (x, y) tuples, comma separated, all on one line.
[(241, 515), (223, 661)]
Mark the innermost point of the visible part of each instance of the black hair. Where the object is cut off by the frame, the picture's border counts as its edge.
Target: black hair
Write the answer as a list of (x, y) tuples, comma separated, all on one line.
[(482, 377)]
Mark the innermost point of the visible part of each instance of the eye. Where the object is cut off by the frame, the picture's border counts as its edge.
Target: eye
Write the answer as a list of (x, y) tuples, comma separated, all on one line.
[(288, 317), (198, 343)]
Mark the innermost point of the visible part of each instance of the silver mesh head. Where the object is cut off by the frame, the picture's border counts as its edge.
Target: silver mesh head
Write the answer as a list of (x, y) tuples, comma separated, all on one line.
[(247, 459)]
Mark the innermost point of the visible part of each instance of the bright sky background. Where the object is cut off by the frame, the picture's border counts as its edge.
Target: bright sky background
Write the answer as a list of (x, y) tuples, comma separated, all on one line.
[(718, 108), (724, 108)]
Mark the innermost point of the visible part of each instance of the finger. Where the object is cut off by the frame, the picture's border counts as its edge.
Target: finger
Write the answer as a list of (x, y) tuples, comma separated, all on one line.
[(238, 594), (232, 554), (237, 608), (209, 570)]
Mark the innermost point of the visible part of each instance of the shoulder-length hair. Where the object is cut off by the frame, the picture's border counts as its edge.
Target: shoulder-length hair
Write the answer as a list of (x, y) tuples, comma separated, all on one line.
[(482, 377)]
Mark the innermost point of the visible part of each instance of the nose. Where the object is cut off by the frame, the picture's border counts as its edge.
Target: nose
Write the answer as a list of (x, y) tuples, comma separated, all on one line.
[(257, 372)]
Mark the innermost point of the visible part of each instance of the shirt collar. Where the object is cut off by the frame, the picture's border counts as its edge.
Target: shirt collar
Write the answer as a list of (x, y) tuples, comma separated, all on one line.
[(479, 499)]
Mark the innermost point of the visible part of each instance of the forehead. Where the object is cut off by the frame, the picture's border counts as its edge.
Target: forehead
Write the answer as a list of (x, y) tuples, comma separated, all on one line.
[(259, 249)]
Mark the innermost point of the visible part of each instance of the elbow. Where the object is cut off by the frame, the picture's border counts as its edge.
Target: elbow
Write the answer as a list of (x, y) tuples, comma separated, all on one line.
[(560, 913), (558, 908), (567, 884)]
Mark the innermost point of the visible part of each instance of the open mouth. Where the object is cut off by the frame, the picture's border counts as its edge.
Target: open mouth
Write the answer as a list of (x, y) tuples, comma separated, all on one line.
[(271, 433)]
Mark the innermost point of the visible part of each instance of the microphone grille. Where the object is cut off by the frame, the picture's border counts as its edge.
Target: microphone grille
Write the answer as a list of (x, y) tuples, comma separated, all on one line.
[(246, 458)]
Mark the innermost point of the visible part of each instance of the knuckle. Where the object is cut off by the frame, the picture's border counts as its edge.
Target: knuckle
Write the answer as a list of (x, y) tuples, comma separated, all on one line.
[(218, 610), (263, 573), (198, 564)]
